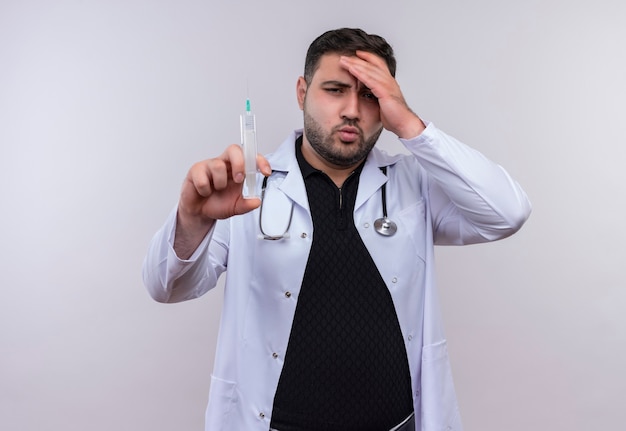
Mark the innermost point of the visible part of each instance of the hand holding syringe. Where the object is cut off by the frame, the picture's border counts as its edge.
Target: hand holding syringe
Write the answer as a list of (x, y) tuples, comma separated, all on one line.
[(248, 142), (212, 189)]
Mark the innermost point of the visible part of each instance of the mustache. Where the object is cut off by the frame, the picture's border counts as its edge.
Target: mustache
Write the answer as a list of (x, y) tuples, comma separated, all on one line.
[(348, 123)]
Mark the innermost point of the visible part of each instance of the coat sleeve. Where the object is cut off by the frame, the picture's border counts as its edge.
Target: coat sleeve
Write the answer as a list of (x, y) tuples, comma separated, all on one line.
[(472, 199), (171, 279)]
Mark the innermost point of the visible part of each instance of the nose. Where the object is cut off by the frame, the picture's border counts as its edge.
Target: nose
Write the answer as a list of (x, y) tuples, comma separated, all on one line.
[(351, 107)]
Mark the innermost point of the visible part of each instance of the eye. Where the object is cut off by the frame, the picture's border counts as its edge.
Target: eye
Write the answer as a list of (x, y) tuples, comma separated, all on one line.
[(333, 90), (369, 96)]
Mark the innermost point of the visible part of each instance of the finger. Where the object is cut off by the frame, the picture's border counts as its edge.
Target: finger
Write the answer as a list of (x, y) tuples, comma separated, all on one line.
[(243, 206), (351, 64), (263, 165), (372, 58), (207, 176), (373, 76), (233, 156), (366, 62)]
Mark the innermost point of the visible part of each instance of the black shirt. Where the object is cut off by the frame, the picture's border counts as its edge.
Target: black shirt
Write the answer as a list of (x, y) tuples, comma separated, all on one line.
[(346, 367)]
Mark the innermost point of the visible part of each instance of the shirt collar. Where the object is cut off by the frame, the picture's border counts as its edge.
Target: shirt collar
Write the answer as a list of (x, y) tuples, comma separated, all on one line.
[(305, 167), (308, 170)]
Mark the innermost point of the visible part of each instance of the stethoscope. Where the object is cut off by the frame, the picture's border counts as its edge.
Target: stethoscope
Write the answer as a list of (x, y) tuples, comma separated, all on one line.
[(383, 225), (264, 235)]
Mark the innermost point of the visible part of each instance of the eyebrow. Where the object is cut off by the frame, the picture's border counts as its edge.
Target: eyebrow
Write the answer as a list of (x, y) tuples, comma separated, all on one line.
[(336, 84), (342, 84)]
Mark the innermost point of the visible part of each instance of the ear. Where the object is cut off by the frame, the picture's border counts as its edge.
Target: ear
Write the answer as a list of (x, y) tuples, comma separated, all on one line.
[(301, 88)]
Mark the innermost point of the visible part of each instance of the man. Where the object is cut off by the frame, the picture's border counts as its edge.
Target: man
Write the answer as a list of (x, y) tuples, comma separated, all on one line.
[(331, 319)]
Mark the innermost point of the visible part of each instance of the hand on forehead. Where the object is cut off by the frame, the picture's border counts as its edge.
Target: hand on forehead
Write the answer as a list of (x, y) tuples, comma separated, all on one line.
[(369, 69)]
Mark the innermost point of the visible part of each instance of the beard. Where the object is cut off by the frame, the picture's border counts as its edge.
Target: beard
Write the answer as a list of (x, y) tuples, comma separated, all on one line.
[(332, 149)]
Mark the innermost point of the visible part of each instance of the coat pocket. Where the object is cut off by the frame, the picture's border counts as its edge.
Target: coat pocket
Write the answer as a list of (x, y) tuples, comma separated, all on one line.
[(440, 410), (222, 401), (413, 220)]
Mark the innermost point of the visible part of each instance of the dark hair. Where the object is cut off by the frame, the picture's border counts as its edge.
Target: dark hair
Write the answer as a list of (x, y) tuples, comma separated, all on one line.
[(346, 41)]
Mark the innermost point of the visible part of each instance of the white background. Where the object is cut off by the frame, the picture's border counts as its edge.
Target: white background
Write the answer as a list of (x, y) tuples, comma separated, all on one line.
[(104, 105)]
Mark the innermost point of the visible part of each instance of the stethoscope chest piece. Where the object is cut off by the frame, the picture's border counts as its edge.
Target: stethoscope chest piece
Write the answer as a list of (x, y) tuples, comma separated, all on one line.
[(385, 227)]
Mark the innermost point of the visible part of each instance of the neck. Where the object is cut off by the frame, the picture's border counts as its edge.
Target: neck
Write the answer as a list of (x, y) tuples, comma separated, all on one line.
[(338, 174)]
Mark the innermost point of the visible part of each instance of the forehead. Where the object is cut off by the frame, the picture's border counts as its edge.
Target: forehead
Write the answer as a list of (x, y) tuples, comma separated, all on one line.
[(328, 67)]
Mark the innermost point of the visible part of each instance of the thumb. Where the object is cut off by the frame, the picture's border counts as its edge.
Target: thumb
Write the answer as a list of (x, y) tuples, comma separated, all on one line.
[(243, 206)]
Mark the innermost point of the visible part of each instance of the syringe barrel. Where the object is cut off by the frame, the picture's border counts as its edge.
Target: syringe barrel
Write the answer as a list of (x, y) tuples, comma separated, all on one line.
[(248, 142)]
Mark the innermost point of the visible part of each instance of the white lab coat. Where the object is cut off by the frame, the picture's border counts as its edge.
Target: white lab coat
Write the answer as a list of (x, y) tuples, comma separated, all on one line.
[(446, 193)]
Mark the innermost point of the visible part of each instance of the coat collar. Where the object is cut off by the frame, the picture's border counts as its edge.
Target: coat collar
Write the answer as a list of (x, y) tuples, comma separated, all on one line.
[(284, 160)]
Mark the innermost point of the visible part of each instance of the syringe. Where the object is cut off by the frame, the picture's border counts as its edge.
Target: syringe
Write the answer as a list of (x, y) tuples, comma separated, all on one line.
[(248, 142)]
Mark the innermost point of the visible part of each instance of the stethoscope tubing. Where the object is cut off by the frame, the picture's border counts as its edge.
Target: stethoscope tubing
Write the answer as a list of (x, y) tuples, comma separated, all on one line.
[(383, 226)]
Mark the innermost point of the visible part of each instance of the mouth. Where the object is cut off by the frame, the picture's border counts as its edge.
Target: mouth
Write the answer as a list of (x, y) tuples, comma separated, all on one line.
[(348, 134)]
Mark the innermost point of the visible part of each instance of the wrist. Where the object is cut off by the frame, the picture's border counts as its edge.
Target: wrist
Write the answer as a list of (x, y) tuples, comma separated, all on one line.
[(411, 128), (189, 233)]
